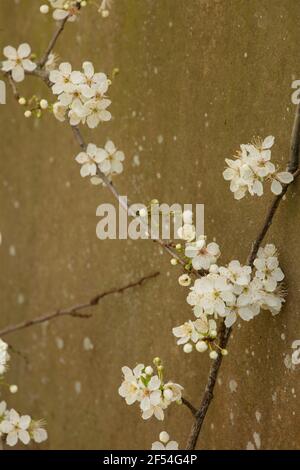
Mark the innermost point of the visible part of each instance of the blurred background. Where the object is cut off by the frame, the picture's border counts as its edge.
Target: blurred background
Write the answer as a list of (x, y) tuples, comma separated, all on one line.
[(197, 78)]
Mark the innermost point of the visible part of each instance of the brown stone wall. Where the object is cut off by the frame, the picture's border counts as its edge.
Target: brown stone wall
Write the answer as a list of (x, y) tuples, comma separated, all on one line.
[(197, 78)]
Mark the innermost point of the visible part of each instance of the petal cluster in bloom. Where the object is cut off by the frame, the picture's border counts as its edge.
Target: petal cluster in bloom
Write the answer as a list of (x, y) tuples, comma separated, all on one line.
[(108, 160), (231, 292), (4, 356), (164, 443), (65, 8), (14, 427), (149, 390), (81, 95), (251, 167), (201, 254), (18, 61)]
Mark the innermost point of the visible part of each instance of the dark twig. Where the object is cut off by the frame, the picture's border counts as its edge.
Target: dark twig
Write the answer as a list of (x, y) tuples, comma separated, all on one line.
[(191, 407), (225, 332), (53, 42), (74, 311)]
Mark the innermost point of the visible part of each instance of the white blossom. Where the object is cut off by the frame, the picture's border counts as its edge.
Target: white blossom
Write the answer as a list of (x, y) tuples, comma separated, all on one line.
[(202, 255), (89, 160), (210, 294), (142, 385), (251, 167), (18, 61), (187, 232), (16, 427), (267, 268), (81, 93)]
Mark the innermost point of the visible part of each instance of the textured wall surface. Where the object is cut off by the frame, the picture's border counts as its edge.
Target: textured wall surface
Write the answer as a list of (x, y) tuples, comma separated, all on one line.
[(197, 78)]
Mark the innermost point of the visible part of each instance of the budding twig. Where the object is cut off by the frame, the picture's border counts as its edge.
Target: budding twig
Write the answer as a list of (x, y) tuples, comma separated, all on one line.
[(225, 332)]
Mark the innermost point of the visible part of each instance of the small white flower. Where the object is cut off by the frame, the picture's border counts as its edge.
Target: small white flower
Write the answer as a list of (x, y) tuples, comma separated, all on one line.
[(18, 61), (96, 112), (186, 232), (236, 273), (16, 427), (112, 161), (37, 431), (283, 177), (268, 270), (164, 443), (90, 159), (202, 255), (130, 387)]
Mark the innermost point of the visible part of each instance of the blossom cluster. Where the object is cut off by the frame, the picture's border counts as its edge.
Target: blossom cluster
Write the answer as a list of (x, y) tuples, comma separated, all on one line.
[(164, 443), (62, 9), (251, 167), (149, 390), (81, 95), (230, 292), (14, 427), (108, 160), (18, 61)]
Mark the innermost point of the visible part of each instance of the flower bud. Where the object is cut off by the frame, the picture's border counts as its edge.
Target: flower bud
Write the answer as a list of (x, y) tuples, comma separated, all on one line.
[(13, 389), (213, 334), (149, 370), (174, 261), (44, 9), (22, 101), (224, 352), (184, 280), (27, 113), (157, 361), (187, 348), (201, 346), (213, 354), (178, 246), (164, 437), (44, 104)]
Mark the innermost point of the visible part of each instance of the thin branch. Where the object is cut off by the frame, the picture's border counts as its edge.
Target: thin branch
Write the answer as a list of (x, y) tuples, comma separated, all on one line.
[(53, 42), (75, 310), (225, 332), (189, 405)]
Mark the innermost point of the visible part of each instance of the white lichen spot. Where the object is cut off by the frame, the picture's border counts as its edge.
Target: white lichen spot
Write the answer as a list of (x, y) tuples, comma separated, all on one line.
[(77, 387), (250, 446), (233, 385), (136, 160), (59, 342), (87, 344), (257, 441), (258, 416), (12, 250), (20, 298)]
